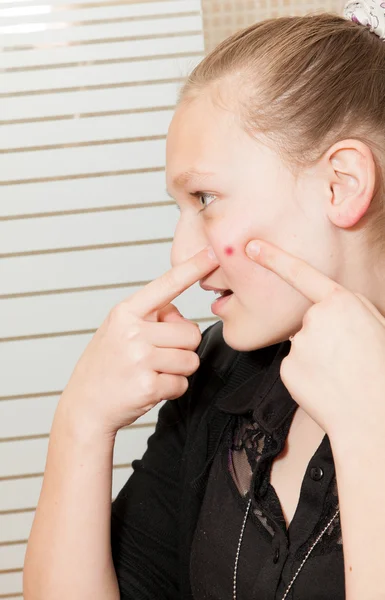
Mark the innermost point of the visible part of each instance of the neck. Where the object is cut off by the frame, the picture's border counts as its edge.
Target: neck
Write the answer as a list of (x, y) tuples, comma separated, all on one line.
[(365, 274)]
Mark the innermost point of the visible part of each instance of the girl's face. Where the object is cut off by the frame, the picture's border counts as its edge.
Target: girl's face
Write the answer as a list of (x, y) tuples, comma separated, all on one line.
[(243, 192)]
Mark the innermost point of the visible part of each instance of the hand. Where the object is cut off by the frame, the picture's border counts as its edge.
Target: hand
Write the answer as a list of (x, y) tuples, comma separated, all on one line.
[(142, 354), (335, 367)]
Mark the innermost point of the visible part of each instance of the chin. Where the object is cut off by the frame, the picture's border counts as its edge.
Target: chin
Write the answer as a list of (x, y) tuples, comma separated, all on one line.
[(246, 340)]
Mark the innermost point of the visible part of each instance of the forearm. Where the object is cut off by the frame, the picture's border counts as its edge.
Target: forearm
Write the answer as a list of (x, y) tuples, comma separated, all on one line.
[(69, 551), (361, 490)]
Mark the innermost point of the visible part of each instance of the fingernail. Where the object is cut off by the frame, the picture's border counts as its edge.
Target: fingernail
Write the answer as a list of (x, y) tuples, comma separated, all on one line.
[(211, 253), (253, 249)]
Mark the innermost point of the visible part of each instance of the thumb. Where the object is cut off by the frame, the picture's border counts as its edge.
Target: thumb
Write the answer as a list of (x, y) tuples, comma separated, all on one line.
[(170, 314), (253, 249)]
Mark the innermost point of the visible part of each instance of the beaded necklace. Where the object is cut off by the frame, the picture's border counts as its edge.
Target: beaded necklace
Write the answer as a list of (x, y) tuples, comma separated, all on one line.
[(301, 565)]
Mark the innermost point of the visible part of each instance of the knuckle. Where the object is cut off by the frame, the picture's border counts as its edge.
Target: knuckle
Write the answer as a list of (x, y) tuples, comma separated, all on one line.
[(134, 330), (177, 386), (148, 384), (194, 362), (196, 336), (183, 385), (141, 352), (119, 314)]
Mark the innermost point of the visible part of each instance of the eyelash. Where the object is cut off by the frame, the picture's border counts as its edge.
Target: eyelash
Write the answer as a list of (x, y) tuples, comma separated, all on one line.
[(199, 195)]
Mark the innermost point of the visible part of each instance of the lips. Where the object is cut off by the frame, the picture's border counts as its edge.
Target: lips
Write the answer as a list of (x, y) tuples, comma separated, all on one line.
[(209, 288)]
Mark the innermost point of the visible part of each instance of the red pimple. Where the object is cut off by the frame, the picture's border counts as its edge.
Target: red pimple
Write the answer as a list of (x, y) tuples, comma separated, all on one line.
[(229, 250)]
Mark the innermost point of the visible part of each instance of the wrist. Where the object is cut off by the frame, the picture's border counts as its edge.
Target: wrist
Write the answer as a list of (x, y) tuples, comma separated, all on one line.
[(80, 428), (357, 450)]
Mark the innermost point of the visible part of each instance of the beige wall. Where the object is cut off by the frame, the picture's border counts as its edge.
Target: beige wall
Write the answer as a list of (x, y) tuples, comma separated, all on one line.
[(221, 18)]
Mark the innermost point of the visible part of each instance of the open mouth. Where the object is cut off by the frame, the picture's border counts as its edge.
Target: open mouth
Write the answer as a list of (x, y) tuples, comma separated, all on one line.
[(222, 297), (224, 293)]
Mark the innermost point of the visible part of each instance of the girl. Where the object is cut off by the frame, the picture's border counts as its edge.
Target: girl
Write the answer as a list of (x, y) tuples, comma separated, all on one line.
[(262, 477)]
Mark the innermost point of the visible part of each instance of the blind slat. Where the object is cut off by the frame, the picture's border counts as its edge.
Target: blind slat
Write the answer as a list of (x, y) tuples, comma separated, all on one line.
[(83, 269), (83, 194), (37, 417), (88, 229), (97, 52), (12, 557), (76, 4), (83, 160), (74, 103), (110, 74), (24, 493), (84, 130), (11, 583), (28, 456), (83, 310), (36, 13), (93, 33), (47, 363)]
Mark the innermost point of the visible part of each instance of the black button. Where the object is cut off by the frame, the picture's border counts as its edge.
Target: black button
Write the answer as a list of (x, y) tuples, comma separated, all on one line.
[(276, 556), (316, 473)]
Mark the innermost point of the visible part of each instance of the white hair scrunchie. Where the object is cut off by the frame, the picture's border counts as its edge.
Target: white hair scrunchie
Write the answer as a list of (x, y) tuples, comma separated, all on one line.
[(371, 14)]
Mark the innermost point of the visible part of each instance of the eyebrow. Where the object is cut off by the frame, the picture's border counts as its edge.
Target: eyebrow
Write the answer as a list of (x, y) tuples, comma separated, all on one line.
[(186, 177)]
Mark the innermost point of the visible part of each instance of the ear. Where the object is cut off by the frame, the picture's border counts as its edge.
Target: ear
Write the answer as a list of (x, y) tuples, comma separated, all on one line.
[(352, 181)]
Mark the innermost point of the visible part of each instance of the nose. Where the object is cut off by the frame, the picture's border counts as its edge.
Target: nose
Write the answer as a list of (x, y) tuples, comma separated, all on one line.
[(188, 241)]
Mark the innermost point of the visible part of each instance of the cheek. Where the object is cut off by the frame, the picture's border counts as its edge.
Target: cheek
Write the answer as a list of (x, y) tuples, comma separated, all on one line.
[(229, 244), (229, 250), (243, 275), (242, 271), (234, 261), (229, 236)]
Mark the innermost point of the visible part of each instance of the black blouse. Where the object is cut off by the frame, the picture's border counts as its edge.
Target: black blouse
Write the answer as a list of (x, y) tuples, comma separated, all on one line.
[(270, 553), (176, 523)]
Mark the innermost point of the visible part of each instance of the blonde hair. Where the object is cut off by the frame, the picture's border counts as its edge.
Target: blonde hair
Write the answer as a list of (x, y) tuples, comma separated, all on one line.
[(302, 83)]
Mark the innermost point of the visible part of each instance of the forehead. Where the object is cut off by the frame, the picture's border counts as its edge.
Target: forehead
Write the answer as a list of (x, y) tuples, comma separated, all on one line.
[(201, 137)]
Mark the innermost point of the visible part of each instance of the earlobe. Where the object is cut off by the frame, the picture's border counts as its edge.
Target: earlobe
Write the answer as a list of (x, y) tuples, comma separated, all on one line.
[(352, 182)]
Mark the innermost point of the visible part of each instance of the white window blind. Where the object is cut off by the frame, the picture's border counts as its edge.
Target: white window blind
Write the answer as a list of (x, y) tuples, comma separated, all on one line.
[(87, 92)]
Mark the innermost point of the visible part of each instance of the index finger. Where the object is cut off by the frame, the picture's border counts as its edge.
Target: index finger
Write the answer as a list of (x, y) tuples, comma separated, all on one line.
[(163, 290), (313, 284)]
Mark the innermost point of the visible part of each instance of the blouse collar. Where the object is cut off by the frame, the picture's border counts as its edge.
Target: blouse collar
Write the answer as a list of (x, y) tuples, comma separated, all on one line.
[(255, 386)]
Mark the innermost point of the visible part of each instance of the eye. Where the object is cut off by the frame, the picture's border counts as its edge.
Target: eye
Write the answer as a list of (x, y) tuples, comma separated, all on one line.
[(202, 197)]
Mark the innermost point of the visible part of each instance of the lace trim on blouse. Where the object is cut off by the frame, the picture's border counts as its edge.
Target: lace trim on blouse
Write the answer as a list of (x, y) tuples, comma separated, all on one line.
[(247, 445)]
